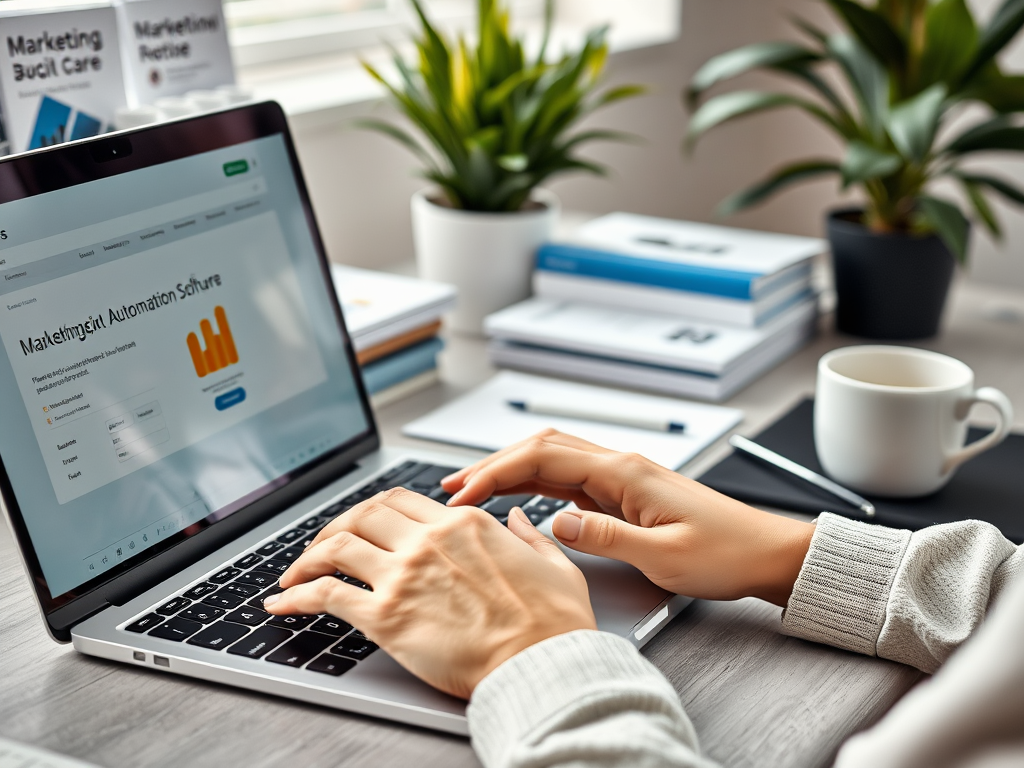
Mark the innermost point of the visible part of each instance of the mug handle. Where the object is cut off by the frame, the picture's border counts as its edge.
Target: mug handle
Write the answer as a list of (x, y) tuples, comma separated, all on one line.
[(1001, 403)]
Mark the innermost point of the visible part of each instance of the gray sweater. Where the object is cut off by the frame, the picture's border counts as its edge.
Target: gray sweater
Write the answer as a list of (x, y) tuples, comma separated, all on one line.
[(590, 699)]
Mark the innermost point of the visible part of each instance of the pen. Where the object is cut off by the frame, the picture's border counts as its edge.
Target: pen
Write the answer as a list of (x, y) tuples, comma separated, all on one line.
[(568, 411), (760, 452)]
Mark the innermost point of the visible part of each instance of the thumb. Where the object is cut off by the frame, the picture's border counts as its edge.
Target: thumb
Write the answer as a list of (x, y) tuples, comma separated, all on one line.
[(599, 534), (521, 526)]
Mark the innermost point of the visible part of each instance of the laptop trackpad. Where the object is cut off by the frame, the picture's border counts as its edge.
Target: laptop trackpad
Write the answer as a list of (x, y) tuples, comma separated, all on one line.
[(621, 595)]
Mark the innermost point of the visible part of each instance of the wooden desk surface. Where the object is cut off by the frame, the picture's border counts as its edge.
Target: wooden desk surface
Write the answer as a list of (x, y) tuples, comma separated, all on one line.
[(757, 698)]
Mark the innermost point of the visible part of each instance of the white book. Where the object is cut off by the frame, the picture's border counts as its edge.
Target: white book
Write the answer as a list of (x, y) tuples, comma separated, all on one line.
[(729, 253), (484, 419), (171, 47), (60, 71), (379, 306), (649, 338), (677, 382), (741, 313)]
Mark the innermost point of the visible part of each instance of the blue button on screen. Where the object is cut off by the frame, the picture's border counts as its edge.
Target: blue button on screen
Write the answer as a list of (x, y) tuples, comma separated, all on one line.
[(225, 401)]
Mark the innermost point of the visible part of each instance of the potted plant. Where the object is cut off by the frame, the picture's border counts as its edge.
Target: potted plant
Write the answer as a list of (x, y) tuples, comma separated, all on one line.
[(492, 126), (910, 67)]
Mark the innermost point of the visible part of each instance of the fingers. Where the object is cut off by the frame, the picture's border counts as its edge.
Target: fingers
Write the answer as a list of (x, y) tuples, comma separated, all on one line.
[(599, 534), (324, 595), (455, 481), (345, 552), (386, 520), (554, 460), (521, 526)]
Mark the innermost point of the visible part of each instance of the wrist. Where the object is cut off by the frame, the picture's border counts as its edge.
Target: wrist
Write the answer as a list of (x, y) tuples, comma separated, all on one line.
[(783, 548)]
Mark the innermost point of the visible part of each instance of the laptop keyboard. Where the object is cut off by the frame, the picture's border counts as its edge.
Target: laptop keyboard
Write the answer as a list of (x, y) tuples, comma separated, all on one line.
[(224, 612)]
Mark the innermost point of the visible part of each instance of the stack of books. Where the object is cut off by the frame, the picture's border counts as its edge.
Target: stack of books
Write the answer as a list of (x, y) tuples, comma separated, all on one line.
[(687, 309), (394, 322)]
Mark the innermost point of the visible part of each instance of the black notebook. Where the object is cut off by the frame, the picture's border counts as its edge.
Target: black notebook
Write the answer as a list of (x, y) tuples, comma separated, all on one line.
[(989, 487)]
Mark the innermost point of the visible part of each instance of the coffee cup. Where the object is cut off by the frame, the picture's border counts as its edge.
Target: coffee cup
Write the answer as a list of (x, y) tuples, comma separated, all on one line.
[(892, 421)]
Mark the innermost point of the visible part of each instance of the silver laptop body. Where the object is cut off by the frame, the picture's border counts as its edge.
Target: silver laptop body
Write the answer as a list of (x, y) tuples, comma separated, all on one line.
[(183, 396)]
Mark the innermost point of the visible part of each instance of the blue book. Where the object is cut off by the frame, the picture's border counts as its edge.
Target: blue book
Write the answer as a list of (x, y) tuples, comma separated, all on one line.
[(683, 256), (402, 365)]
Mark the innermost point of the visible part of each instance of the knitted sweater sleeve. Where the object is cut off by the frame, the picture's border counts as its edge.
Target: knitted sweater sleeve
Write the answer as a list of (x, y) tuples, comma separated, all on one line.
[(909, 597)]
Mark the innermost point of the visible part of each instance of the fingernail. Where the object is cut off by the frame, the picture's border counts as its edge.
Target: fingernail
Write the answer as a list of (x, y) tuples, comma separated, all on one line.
[(566, 526), (271, 600), (518, 512), (454, 499)]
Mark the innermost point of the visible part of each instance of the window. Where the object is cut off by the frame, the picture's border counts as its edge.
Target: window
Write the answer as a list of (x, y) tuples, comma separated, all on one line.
[(270, 30)]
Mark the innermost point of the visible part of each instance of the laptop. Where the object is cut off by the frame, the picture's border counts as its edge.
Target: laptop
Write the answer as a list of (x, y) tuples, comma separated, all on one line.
[(184, 412)]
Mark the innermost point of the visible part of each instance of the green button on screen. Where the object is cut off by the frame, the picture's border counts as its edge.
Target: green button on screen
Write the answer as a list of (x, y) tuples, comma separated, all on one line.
[(236, 167)]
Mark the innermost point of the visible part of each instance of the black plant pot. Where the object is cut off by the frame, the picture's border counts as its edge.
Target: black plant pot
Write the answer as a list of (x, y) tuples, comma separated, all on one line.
[(889, 286)]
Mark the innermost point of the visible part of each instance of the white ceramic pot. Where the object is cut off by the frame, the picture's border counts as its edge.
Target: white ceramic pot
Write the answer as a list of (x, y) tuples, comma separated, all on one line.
[(489, 257)]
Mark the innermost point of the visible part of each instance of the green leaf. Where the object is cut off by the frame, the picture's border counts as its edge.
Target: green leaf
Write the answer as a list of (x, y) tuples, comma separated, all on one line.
[(948, 222), (873, 31), (734, 63), (730, 106), (1004, 93), (983, 209), (779, 179), (808, 29), (399, 135), (1001, 29), (514, 163), (950, 43), (1004, 188), (863, 161), (869, 80), (912, 124), (995, 134)]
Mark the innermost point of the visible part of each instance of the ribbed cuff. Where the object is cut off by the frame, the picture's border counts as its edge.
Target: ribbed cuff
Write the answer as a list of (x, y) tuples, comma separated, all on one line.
[(841, 594), (573, 671)]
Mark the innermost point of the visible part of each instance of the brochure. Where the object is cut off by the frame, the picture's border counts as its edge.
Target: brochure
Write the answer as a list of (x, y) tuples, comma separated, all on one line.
[(171, 47), (60, 72)]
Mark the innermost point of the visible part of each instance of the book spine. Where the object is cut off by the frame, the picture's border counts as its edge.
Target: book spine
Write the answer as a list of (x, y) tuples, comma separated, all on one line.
[(577, 260), (396, 368)]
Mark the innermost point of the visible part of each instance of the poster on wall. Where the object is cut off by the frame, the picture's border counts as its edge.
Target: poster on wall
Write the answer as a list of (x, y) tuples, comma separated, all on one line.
[(60, 72), (171, 47)]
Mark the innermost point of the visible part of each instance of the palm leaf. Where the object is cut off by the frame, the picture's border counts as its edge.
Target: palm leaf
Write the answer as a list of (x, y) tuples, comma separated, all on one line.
[(779, 179), (1001, 29), (874, 32), (983, 209), (863, 161), (734, 63), (948, 222), (913, 123), (1004, 188), (730, 106)]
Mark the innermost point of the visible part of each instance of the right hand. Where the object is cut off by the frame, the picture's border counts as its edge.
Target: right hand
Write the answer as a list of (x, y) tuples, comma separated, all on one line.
[(683, 536)]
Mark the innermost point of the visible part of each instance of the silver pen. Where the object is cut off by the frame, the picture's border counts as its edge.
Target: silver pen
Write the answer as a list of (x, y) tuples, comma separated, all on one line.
[(760, 452)]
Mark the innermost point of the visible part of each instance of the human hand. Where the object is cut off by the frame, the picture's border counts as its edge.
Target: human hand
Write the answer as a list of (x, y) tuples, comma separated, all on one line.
[(455, 593), (683, 536)]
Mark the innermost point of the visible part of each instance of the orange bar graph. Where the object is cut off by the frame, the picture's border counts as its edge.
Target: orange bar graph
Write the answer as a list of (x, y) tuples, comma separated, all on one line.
[(220, 350), (225, 334)]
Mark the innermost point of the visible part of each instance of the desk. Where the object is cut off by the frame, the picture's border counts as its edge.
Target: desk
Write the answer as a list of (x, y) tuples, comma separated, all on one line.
[(757, 698)]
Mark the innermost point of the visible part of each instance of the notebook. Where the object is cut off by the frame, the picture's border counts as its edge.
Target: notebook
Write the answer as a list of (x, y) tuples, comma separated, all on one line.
[(483, 419), (989, 488)]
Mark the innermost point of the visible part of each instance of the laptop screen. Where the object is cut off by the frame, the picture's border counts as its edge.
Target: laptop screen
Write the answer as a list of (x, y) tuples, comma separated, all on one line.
[(171, 354)]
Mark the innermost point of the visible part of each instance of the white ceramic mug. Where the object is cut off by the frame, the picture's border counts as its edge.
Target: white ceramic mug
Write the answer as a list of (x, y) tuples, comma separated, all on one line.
[(892, 421)]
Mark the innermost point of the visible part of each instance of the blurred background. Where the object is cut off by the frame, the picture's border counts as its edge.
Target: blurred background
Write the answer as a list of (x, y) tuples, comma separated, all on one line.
[(361, 182)]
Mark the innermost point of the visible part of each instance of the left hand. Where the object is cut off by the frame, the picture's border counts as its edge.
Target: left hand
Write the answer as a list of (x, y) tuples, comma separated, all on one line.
[(455, 593)]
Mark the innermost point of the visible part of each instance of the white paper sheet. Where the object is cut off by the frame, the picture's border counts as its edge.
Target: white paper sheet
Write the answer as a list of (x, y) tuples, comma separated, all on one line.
[(483, 419)]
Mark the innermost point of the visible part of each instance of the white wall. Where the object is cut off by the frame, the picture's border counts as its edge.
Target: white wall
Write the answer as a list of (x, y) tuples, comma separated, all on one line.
[(361, 182)]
